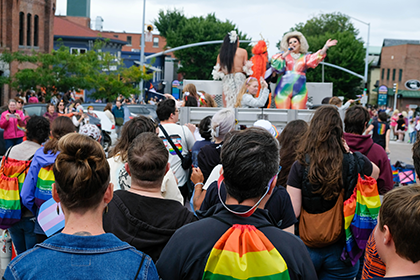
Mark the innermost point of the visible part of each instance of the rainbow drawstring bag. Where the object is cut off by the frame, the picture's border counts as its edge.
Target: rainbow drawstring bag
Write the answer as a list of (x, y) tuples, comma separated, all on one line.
[(44, 185), (12, 175), (360, 217), (244, 252)]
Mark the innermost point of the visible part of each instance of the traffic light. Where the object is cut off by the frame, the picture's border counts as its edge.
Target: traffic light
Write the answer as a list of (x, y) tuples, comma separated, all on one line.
[(395, 88)]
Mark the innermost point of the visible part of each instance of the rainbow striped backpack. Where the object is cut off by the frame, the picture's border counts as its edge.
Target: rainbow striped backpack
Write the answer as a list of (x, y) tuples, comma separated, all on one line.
[(244, 252), (12, 175)]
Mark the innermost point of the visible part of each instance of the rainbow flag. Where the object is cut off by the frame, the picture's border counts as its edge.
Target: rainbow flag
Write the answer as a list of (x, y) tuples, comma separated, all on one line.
[(44, 185), (11, 181), (244, 252), (177, 141), (360, 217)]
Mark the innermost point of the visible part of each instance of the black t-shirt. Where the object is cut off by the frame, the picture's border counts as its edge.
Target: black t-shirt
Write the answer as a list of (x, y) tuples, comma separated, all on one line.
[(208, 158), (279, 205), (296, 179), (401, 124), (379, 133)]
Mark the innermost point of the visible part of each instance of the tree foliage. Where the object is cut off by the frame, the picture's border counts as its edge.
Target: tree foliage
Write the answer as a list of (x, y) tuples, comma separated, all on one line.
[(348, 53), (60, 71), (197, 62)]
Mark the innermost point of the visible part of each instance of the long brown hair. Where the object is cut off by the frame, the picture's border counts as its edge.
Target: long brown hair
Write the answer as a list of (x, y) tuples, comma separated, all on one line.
[(59, 127), (289, 139), (323, 144)]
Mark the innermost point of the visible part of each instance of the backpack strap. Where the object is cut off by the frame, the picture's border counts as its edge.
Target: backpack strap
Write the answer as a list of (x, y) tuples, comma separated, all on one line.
[(25, 167), (172, 143)]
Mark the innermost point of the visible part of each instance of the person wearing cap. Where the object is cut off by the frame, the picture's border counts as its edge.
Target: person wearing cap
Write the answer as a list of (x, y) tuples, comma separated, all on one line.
[(209, 156), (90, 112), (267, 126), (91, 131), (250, 160)]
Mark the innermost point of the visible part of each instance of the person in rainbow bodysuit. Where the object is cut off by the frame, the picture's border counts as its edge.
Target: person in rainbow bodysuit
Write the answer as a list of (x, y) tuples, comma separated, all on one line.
[(292, 63)]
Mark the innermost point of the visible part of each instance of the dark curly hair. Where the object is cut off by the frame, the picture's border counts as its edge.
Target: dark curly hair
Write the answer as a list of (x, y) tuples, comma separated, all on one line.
[(38, 129), (205, 128)]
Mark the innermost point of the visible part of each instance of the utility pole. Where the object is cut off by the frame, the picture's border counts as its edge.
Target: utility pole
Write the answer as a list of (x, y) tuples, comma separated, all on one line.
[(141, 86)]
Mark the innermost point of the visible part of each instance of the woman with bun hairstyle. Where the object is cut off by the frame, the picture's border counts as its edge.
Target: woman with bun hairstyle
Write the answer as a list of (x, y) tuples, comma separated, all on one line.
[(36, 188), (82, 250)]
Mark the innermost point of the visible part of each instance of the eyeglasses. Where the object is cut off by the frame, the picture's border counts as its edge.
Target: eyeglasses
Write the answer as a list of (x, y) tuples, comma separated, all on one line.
[(20, 102), (60, 104)]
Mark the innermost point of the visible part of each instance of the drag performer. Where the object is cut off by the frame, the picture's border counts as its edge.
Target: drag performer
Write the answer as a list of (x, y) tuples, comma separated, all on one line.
[(260, 64), (232, 65), (292, 63)]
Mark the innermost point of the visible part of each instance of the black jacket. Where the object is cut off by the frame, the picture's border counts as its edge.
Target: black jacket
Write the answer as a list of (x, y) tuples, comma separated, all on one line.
[(146, 223), (186, 253)]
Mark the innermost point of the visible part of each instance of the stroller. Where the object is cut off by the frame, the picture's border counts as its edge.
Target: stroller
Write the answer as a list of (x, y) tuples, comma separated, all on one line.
[(403, 174)]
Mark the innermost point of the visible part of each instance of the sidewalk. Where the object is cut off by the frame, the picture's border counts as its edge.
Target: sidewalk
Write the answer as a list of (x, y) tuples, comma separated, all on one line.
[(401, 152)]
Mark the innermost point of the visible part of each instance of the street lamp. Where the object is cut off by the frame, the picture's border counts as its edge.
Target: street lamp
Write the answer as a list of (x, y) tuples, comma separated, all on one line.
[(142, 48), (367, 48)]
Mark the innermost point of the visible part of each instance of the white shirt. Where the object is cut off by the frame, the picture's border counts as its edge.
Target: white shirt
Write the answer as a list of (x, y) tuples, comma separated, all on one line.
[(183, 140)]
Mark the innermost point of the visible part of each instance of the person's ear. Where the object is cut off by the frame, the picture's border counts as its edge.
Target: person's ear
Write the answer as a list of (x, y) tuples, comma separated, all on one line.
[(127, 168), (387, 235), (54, 193), (168, 166), (109, 193)]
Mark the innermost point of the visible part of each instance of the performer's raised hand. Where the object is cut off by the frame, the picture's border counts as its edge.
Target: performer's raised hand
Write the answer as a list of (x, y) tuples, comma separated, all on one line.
[(331, 43)]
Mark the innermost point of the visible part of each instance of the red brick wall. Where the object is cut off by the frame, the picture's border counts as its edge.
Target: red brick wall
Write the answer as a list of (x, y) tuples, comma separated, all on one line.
[(83, 21), (405, 57), (136, 41), (9, 30)]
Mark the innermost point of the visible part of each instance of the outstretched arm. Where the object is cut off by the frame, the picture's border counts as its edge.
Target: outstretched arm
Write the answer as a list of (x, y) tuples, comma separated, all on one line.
[(327, 45)]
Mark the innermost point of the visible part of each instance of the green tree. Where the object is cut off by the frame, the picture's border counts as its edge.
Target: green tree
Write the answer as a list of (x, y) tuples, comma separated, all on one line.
[(197, 62), (348, 53), (60, 71)]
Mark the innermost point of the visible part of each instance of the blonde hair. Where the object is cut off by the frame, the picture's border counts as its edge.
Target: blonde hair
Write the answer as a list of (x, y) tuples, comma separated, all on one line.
[(335, 101), (192, 90), (396, 112), (243, 91), (209, 100)]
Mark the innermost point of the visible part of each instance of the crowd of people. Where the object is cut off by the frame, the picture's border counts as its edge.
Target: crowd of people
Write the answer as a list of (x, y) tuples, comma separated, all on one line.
[(177, 190)]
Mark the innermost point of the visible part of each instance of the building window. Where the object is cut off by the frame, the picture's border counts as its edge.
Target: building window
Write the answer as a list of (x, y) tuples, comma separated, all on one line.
[(128, 40), (28, 29), (156, 42), (78, 50), (36, 27), (400, 76), (393, 74), (387, 75), (383, 74), (21, 30)]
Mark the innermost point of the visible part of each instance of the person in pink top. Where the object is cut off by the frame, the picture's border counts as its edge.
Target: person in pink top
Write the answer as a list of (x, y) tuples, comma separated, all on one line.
[(393, 124), (12, 122)]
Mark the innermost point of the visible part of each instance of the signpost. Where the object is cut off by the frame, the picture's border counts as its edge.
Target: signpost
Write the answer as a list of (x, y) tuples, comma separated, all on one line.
[(383, 95)]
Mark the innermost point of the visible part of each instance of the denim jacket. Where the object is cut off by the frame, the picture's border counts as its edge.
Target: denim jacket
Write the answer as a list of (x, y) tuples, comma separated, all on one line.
[(66, 256)]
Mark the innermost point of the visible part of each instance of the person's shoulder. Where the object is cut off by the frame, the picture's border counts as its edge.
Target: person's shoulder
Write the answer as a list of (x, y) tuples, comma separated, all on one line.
[(241, 51)]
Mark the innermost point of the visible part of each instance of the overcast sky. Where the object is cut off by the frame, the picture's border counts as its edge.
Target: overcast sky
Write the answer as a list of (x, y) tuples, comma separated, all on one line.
[(388, 19)]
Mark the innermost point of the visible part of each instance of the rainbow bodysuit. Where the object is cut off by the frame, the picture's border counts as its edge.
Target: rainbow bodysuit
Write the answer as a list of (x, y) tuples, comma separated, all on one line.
[(291, 91)]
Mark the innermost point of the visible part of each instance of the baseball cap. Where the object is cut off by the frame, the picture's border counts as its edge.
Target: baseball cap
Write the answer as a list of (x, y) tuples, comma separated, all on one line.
[(90, 130), (267, 126)]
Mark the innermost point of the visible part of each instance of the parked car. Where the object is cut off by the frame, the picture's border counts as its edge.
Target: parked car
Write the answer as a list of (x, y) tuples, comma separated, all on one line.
[(146, 110), (40, 109)]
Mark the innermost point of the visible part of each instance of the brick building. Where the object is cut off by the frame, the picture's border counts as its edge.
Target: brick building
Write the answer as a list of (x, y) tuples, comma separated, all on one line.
[(399, 63), (25, 25)]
